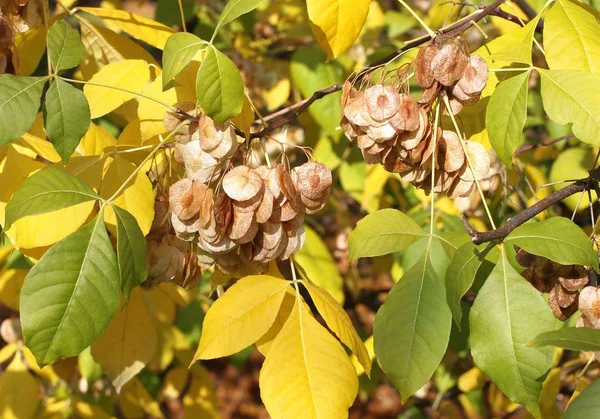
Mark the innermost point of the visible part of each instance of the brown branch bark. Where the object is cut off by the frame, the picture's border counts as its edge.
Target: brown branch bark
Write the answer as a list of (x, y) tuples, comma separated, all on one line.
[(580, 185)]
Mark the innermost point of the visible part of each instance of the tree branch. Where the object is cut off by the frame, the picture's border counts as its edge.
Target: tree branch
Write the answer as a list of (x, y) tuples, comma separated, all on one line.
[(580, 185), (528, 147)]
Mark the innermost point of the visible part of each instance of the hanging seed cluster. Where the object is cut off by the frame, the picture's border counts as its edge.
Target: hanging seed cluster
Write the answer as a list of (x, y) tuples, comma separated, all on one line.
[(240, 217), (561, 282), (393, 129), (589, 306)]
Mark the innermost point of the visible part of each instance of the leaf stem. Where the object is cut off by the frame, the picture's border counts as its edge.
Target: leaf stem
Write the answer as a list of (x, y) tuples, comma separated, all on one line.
[(45, 8), (183, 24), (418, 18)]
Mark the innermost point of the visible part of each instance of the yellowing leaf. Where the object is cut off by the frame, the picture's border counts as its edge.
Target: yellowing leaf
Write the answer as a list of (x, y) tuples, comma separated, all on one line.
[(572, 38), (135, 401), (95, 141), (29, 48), (103, 47), (137, 197), (337, 23), (519, 45), (89, 411), (307, 373), (174, 383), (161, 305), (200, 401), (128, 343), (241, 316), (244, 120), (125, 79), (147, 30), (40, 146), (370, 350), (289, 300), (317, 262), (19, 391), (11, 281), (338, 321), (7, 352)]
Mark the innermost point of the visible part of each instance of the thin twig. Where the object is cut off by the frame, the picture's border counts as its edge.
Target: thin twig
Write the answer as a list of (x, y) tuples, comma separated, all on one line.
[(529, 147)]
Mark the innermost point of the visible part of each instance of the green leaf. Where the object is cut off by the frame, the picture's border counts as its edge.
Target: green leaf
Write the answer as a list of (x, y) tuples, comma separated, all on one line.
[(507, 313), (131, 251), (219, 86), (66, 117), (506, 114), (469, 262), (310, 73), (48, 190), (572, 338), (558, 239), (571, 38), (571, 96), (69, 297), (20, 99), (179, 51), (382, 232), (573, 163), (234, 9), (64, 46), (586, 404), (412, 328)]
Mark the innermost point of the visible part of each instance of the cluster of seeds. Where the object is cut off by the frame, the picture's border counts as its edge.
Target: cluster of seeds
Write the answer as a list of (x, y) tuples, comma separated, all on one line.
[(235, 215), (561, 282), (393, 129)]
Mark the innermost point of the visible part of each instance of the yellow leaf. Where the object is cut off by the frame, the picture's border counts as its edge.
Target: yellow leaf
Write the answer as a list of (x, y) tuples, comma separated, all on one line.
[(165, 352), (137, 197), (134, 401), (47, 373), (471, 380), (129, 341), (200, 401), (103, 47), (19, 391), (37, 230), (131, 75), (241, 316), (89, 411), (95, 141), (39, 146), (161, 305), (289, 300), (244, 120), (174, 383), (55, 408), (174, 293), (29, 48), (337, 23), (307, 373), (374, 184), (317, 262), (7, 352), (373, 26), (370, 350), (147, 30), (338, 321), (11, 281), (548, 406)]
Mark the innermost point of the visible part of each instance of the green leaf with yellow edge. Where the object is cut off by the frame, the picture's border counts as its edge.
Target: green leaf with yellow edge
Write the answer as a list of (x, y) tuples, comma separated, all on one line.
[(338, 321), (412, 328), (234, 9), (519, 44), (469, 262), (572, 338), (146, 30), (219, 86), (287, 305), (137, 198), (64, 46), (586, 404), (558, 239), (48, 190), (19, 104), (129, 341), (115, 84), (571, 38), (306, 372), (131, 251), (241, 316), (180, 49), (506, 114), (309, 73), (571, 96), (19, 391), (337, 23), (71, 294), (66, 117), (383, 232), (508, 312), (317, 262)]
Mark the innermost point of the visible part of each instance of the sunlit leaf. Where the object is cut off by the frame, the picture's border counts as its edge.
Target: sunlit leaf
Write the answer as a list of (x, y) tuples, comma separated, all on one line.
[(66, 116), (71, 294), (129, 341), (64, 46), (508, 312), (19, 391), (179, 51), (286, 307), (219, 86), (412, 328), (234, 9), (19, 104), (307, 373), (506, 114), (586, 404), (337, 23), (558, 239), (382, 232), (573, 338)]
